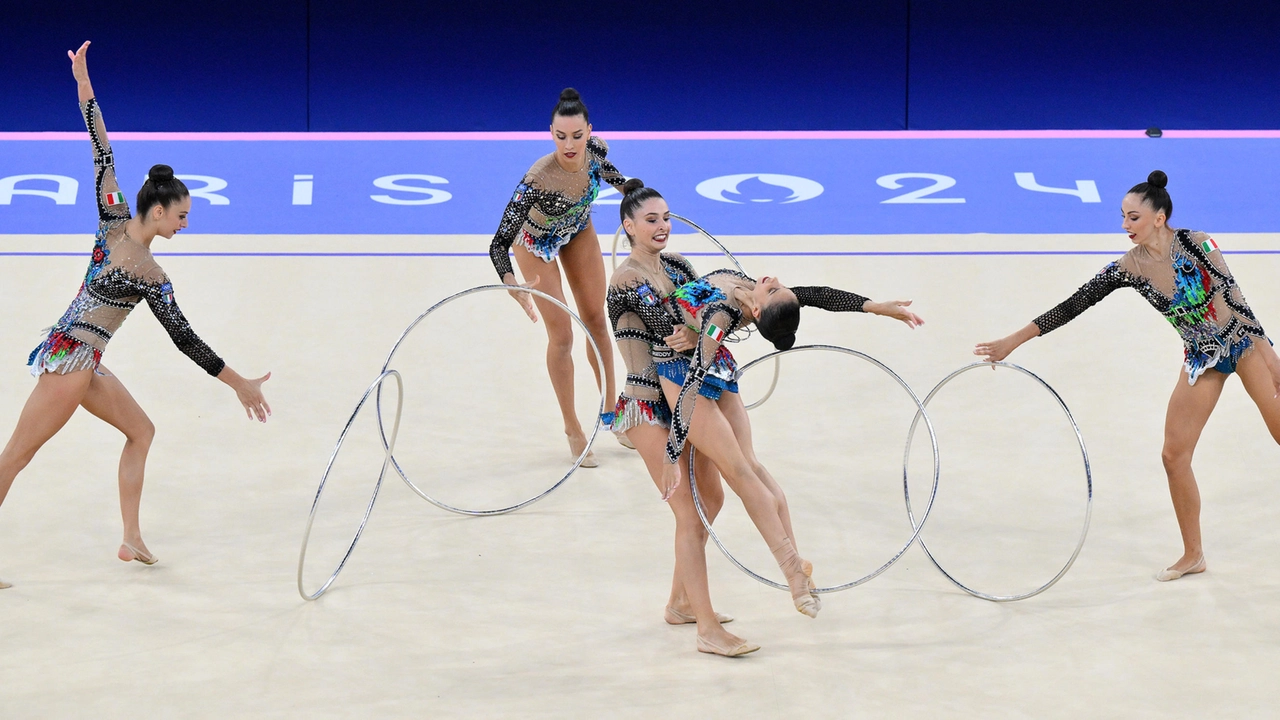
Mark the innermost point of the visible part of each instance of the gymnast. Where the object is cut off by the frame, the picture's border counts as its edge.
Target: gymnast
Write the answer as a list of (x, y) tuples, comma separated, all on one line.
[(1183, 275), (653, 298), (122, 273), (549, 217)]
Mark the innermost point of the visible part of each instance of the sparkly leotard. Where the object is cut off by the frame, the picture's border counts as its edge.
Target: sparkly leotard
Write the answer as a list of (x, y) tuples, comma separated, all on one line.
[(638, 312), (121, 274), (551, 205), (1191, 287), (707, 304)]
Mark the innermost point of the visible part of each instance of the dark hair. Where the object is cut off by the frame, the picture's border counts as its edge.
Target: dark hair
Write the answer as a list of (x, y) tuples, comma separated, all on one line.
[(778, 322), (1154, 194), (634, 193), (161, 188), (570, 104)]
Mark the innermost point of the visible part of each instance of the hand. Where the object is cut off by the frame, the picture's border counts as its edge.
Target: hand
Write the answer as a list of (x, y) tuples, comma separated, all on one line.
[(896, 309), (525, 299), (670, 480), (996, 350), (250, 394), (79, 69), (682, 338)]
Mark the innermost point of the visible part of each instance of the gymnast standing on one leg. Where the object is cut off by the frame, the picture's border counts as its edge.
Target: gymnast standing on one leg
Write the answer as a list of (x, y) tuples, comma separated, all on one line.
[(649, 296), (122, 273), (1183, 275), (549, 217)]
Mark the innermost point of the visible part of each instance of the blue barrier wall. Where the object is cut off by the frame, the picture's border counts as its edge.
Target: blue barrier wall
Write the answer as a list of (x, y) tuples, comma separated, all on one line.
[(297, 65)]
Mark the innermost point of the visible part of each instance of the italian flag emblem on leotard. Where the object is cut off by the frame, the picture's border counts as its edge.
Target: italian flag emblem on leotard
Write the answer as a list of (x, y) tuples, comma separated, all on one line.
[(715, 332), (114, 198), (1208, 246)]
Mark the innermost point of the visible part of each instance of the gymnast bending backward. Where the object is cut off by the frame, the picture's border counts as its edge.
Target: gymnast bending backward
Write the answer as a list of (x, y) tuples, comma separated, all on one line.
[(122, 272), (653, 299), (1184, 276), (547, 225)]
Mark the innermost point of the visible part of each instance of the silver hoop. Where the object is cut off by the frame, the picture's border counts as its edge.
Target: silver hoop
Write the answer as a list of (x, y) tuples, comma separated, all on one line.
[(388, 446), (1088, 477), (777, 363), (920, 413), (577, 461)]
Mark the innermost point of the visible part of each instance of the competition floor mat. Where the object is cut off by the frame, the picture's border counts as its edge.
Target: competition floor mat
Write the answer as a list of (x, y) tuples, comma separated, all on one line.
[(556, 610)]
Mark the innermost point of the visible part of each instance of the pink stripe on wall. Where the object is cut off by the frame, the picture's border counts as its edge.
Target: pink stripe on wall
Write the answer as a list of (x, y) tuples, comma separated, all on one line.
[(625, 135)]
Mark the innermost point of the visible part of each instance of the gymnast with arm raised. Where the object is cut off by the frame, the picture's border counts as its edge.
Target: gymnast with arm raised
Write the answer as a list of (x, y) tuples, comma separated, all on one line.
[(1182, 274), (650, 297), (547, 225), (122, 273)]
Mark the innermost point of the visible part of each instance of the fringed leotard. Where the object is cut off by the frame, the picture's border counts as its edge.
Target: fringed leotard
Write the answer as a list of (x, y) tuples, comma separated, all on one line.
[(121, 274), (638, 311), (1191, 287), (550, 206)]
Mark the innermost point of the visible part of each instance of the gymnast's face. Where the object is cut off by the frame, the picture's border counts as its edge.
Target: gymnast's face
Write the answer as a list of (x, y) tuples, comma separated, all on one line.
[(570, 133), (169, 220), (650, 226), (769, 290), (1141, 221)]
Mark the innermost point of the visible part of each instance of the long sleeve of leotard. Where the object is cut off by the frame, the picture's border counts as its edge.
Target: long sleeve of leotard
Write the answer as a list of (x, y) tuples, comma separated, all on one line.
[(158, 291), (1111, 278), (608, 172), (830, 299), (112, 206), (717, 321), (513, 218)]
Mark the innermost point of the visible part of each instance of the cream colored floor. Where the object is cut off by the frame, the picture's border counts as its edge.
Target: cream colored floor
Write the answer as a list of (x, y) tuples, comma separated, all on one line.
[(555, 611)]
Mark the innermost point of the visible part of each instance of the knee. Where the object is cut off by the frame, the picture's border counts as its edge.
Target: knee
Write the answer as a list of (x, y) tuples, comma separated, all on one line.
[(560, 342), (143, 434), (1175, 457)]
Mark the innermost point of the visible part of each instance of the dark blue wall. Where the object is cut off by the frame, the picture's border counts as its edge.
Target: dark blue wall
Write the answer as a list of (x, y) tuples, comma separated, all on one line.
[(661, 65)]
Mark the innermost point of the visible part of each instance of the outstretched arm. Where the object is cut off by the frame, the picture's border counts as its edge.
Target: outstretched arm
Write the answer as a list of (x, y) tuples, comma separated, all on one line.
[(159, 296), (1103, 284), (833, 300)]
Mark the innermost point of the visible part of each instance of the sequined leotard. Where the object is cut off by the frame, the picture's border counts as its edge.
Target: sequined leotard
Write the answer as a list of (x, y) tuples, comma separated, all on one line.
[(1192, 288), (706, 303), (638, 312), (550, 206), (121, 274)]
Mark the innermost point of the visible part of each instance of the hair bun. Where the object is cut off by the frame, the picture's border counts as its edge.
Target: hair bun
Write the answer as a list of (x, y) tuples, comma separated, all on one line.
[(785, 342), (1158, 178), (160, 173), (632, 185), (570, 95)]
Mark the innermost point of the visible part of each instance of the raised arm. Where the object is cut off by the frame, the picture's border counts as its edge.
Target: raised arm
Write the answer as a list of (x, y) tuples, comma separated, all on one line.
[(112, 206), (608, 172)]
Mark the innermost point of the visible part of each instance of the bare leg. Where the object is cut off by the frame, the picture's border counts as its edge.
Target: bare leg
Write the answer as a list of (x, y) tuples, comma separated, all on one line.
[(1189, 410), (49, 407), (736, 413), (1257, 382), (691, 538), (559, 342), (584, 269), (108, 399), (51, 404), (711, 434), (711, 493)]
